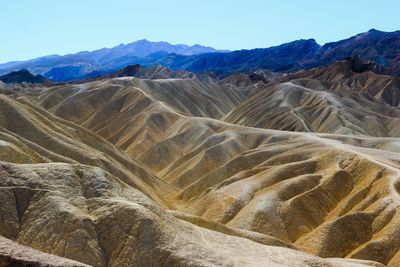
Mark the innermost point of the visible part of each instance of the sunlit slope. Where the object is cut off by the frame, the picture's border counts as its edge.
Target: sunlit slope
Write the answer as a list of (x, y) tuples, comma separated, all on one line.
[(309, 106), (187, 96), (68, 192), (331, 195), (294, 187), (30, 135), (86, 214), (132, 116), (353, 75)]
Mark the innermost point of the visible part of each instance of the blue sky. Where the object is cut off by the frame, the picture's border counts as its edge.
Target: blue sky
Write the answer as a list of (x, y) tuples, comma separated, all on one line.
[(35, 28)]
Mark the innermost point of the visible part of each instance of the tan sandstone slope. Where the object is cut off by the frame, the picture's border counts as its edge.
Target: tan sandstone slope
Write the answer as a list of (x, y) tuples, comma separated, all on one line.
[(246, 192), (345, 75), (309, 106), (68, 192)]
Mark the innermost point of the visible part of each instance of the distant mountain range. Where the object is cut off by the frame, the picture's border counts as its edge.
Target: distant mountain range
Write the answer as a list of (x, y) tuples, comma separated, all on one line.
[(382, 48), (105, 60)]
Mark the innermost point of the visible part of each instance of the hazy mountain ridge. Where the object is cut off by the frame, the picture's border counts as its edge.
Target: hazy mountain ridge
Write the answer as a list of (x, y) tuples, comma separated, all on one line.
[(380, 47), (71, 66)]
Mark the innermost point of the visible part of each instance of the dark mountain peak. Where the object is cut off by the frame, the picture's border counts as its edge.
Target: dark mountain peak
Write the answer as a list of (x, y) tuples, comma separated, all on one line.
[(355, 64), (379, 34), (374, 31), (22, 72), (23, 76), (301, 42), (305, 46), (307, 41), (359, 65), (130, 70), (372, 35)]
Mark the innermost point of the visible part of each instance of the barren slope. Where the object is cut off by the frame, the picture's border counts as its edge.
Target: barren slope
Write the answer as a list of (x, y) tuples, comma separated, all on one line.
[(356, 76), (187, 96), (330, 195), (309, 106), (68, 192)]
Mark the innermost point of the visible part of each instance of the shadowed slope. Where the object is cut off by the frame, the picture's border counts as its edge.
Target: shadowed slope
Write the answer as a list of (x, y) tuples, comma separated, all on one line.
[(13, 254)]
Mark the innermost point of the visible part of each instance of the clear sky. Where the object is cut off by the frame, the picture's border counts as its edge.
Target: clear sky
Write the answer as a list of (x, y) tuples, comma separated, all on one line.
[(33, 28)]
